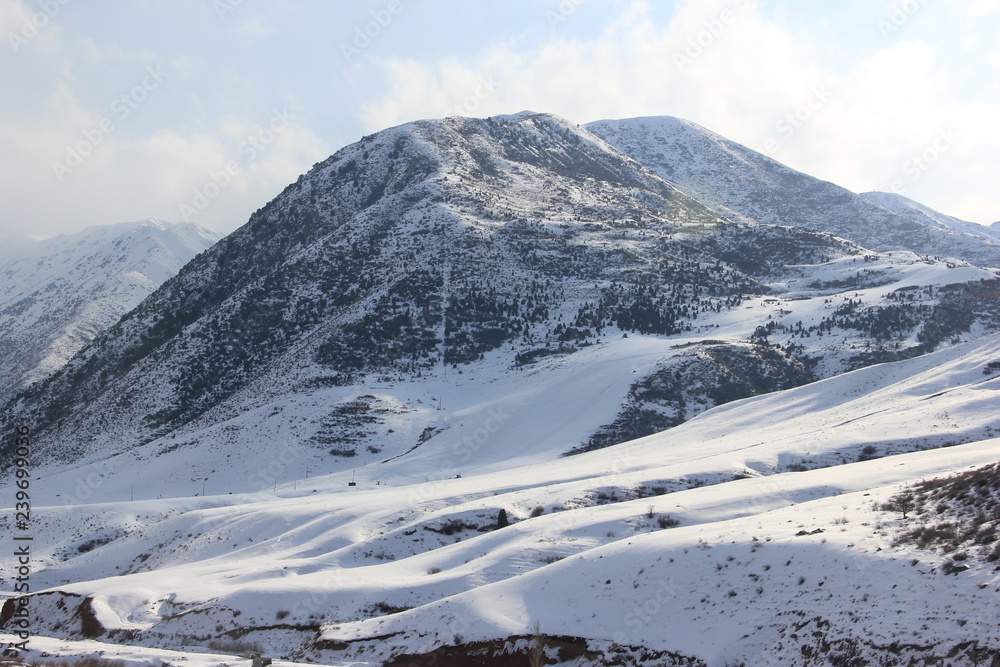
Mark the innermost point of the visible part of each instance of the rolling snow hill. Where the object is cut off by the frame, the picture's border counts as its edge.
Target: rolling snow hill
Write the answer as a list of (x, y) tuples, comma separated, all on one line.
[(60, 293), (693, 546)]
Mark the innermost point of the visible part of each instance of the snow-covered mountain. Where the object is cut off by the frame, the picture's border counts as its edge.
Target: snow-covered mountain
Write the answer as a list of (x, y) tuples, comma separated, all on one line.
[(928, 217), (422, 249), (59, 293), (304, 440), (742, 184), (418, 250)]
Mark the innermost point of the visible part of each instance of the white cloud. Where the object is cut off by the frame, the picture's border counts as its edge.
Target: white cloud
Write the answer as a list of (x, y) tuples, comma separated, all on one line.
[(79, 153), (733, 66)]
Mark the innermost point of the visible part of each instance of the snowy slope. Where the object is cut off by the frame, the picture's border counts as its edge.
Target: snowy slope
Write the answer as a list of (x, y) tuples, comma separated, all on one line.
[(743, 184), (61, 292), (493, 414), (760, 561)]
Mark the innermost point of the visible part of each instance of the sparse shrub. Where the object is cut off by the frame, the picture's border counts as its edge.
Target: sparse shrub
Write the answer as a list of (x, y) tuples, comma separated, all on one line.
[(667, 521), (233, 646), (536, 654), (282, 614), (868, 453), (453, 526), (384, 608), (90, 545), (434, 570), (951, 567), (901, 502), (538, 511), (966, 511)]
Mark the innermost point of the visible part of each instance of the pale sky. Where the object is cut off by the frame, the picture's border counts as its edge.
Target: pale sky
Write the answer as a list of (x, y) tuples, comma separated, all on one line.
[(116, 110)]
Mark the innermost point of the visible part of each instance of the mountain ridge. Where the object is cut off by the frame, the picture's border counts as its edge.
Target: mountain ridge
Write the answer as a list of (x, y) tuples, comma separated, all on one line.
[(744, 184), (62, 292)]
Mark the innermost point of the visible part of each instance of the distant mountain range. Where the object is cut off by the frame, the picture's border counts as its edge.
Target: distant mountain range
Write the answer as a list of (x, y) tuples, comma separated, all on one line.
[(60, 293), (742, 184)]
